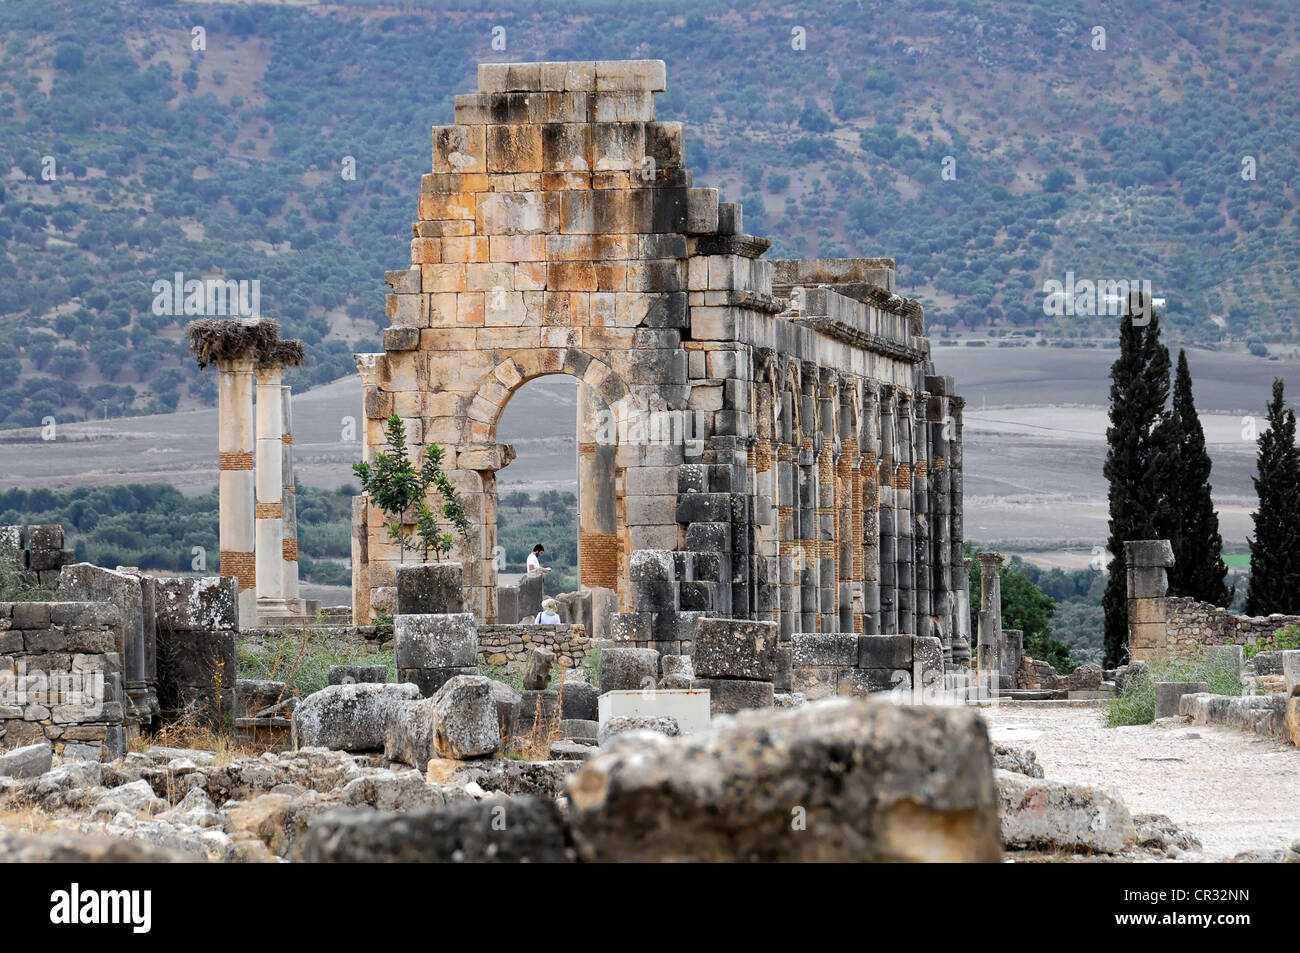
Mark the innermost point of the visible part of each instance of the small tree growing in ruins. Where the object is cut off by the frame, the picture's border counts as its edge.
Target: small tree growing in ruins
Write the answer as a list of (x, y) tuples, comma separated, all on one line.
[(398, 488)]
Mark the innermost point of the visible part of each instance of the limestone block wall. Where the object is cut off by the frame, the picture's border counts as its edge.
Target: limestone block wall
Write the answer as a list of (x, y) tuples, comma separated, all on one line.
[(61, 678), (502, 644), (779, 421), (1159, 623), (1192, 625)]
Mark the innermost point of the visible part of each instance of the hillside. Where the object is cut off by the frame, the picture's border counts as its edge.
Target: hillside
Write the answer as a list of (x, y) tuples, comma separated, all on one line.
[(127, 156)]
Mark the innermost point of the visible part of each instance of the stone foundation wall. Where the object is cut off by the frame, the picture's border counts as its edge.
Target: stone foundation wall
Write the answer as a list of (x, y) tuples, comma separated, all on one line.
[(502, 644), (1191, 625), (1159, 623), (61, 678)]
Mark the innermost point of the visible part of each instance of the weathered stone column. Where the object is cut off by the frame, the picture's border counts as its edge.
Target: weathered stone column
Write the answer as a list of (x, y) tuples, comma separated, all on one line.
[(289, 505), (921, 515), (373, 406), (870, 541), (887, 518), (236, 488), (941, 522), (270, 487), (903, 526), (956, 521), (990, 617), (961, 620), (598, 543)]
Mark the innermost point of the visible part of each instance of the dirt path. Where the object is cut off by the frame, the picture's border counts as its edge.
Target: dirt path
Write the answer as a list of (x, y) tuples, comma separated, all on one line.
[(1235, 791)]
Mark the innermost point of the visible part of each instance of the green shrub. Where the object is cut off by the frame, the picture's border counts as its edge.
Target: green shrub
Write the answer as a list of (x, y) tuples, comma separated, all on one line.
[(1282, 639), (1137, 704), (302, 659)]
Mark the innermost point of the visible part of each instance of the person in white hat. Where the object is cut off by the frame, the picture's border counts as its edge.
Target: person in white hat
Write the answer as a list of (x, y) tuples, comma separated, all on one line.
[(548, 615)]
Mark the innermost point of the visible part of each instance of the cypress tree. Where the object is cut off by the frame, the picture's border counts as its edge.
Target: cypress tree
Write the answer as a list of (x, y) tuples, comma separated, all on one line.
[(1275, 549), (1137, 452), (1192, 524)]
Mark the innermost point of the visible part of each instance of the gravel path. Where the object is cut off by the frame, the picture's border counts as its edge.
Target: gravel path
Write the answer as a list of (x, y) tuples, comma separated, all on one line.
[(1235, 791)]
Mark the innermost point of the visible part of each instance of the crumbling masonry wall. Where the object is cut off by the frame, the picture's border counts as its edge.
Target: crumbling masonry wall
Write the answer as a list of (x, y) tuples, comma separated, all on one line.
[(1162, 624), (779, 421)]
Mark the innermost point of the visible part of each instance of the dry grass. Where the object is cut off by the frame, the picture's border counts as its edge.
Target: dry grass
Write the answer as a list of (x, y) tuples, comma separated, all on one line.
[(26, 820), (536, 744), (191, 732)]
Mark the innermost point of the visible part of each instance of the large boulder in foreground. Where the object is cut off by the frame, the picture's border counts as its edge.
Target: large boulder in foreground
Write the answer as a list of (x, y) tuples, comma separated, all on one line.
[(349, 717), (842, 780), (1057, 815)]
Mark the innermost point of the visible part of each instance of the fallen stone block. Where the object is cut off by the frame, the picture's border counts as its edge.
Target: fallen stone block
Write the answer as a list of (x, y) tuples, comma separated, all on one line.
[(843, 780), (735, 648), (1291, 671), (816, 648), (661, 724), (513, 830), (538, 712), (30, 761), (627, 669), (354, 674), (579, 699), (577, 751), (507, 701), (348, 717), (429, 680), (1053, 814), (1085, 678), (464, 716), (678, 671), (885, 652), (431, 588), (436, 641), (1168, 695), (729, 695), (537, 669), (1019, 760), (579, 729)]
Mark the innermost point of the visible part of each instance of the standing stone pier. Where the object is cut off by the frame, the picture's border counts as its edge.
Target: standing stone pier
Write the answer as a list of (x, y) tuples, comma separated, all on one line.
[(782, 431), (237, 489), (289, 507), (250, 527), (990, 619)]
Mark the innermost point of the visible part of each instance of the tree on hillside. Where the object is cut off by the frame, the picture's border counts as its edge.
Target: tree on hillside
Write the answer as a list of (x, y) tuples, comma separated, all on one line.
[(1192, 524), (518, 500), (1136, 455), (1275, 549)]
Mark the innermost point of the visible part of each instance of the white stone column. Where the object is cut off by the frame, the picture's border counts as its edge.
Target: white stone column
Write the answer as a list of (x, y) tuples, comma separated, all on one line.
[(289, 503), (270, 505), (236, 494)]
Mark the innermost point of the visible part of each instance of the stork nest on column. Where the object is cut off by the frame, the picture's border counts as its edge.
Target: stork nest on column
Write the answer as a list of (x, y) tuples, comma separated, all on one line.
[(283, 354), (228, 339)]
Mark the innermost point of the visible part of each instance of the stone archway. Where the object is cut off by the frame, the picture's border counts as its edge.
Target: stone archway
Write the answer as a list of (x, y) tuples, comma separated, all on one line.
[(601, 547)]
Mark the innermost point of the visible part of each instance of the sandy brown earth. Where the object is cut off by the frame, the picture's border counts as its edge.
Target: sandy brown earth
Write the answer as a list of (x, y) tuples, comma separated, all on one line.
[(1234, 791)]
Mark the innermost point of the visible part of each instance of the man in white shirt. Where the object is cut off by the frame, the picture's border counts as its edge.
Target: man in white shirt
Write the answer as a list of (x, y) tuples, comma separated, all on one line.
[(534, 559)]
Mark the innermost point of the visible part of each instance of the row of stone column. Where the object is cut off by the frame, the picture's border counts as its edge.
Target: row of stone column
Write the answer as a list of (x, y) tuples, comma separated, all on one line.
[(258, 522), (866, 532)]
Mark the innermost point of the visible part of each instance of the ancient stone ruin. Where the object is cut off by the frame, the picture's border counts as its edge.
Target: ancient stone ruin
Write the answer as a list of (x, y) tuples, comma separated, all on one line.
[(258, 530), (761, 441)]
